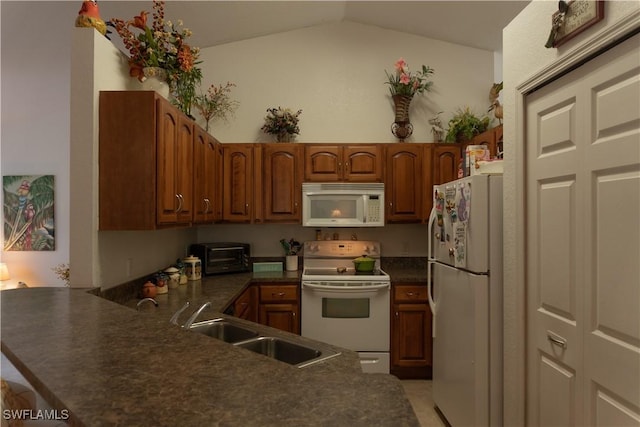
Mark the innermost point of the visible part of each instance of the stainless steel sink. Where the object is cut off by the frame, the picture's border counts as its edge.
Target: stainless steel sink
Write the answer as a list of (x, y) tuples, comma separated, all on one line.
[(241, 335), (286, 351), (223, 330)]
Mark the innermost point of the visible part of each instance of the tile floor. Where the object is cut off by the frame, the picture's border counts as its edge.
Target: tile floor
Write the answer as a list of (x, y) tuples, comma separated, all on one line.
[(419, 394)]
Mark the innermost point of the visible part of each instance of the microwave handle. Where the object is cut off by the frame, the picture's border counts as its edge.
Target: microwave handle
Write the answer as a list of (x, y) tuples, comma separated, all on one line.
[(226, 249)]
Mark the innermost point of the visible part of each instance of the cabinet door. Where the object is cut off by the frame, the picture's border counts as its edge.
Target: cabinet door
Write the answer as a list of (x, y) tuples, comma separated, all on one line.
[(204, 177), (427, 179), (283, 316), (411, 343), (219, 182), (184, 168), (322, 163), (362, 163), (245, 306), (174, 165), (411, 335), (167, 141), (282, 182), (403, 185), (446, 158), (237, 183)]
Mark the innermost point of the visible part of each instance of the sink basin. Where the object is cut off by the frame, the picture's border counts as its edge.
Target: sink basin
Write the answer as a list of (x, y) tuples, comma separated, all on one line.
[(223, 330), (285, 351), (280, 349)]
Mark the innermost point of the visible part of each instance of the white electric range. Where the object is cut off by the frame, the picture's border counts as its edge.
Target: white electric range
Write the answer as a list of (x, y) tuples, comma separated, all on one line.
[(343, 307)]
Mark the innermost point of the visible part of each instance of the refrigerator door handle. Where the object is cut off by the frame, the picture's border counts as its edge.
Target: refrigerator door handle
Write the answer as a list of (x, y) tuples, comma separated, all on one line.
[(430, 261)]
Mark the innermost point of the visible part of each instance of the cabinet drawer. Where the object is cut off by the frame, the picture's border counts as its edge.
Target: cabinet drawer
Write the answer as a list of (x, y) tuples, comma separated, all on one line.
[(276, 293), (410, 293)]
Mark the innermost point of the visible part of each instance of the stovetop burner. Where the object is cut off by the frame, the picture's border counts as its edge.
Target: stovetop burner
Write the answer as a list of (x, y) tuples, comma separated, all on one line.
[(332, 260)]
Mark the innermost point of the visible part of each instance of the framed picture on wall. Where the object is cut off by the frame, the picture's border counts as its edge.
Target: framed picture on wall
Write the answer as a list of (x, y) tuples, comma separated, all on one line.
[(29, 206), (579, 15)]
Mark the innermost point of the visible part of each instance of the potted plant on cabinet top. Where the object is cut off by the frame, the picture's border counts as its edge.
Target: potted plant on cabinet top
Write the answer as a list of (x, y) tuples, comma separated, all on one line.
[(216, 103), (464, 125), (283, 123)]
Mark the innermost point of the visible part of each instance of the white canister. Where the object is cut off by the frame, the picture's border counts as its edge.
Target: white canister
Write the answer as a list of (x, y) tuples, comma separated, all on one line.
[(174, 277), (291, 262), (192, 267)]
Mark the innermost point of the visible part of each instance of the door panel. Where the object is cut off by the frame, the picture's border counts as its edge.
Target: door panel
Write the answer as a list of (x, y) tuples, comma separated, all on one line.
[(461, 346), (583, 244)]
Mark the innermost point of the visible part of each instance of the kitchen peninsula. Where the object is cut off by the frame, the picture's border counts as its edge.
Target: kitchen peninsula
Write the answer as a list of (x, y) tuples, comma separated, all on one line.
[(109, 364)]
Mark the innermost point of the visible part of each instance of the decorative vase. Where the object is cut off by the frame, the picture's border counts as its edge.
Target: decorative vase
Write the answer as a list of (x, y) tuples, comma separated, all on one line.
[(292, 262), (284, 136), (402, 128), (155, 78)]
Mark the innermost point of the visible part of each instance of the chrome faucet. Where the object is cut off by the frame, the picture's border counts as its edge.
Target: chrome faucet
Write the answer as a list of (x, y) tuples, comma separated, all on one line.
[(143, 300), (192, 319), (174, 318)]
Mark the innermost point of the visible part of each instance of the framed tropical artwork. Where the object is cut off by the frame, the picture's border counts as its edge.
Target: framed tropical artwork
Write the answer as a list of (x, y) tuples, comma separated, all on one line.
[(28, 206)]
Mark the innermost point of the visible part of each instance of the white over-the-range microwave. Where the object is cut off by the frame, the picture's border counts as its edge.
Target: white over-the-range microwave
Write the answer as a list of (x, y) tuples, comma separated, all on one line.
[(342, 204)]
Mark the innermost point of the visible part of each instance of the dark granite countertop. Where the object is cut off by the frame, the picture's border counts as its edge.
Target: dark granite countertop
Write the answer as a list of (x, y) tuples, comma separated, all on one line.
[(109, 364)]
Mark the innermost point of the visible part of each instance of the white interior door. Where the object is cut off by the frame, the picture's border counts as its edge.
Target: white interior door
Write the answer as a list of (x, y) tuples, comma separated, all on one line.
[(583, 244)]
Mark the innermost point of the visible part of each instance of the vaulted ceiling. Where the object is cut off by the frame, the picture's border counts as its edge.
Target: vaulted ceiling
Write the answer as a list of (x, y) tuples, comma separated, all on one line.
[(473, 23)]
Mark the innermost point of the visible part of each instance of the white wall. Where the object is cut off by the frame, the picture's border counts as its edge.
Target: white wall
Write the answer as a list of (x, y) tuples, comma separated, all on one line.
[(525, 60), (34, 136), (335, 73)]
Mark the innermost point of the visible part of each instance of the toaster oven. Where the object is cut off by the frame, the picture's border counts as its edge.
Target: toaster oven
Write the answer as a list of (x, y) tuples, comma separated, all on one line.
[(222, 257)]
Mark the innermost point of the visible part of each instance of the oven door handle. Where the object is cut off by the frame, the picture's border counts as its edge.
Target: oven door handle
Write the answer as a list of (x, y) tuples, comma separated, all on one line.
[(316, 286)]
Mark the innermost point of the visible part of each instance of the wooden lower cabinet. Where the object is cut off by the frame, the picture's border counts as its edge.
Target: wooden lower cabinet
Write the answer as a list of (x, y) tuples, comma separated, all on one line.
[(246, 305), (279, 306), (411, 343)]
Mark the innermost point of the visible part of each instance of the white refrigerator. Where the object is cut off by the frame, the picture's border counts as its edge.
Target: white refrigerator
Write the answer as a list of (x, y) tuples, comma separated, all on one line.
[(465, 295)]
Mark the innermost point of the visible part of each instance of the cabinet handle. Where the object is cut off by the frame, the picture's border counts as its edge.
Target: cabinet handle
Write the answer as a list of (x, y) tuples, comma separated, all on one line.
[(559, 341), (206, 205), (179, 196)]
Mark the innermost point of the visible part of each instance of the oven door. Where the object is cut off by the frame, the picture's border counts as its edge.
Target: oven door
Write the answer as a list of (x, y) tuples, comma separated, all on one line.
[(355, 316)]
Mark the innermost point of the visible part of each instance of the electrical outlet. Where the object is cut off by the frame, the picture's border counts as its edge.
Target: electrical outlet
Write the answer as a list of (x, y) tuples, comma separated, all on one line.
[(405, 248)]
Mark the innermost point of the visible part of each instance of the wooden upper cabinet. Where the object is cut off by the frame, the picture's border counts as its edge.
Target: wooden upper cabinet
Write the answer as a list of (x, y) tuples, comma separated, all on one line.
[(237, 205), (206, 169), (175, 158), (404, 181), (427, 180), (146, 155), (352, 163), (362, 163), (492, 138), (446, 158), (282, 173)]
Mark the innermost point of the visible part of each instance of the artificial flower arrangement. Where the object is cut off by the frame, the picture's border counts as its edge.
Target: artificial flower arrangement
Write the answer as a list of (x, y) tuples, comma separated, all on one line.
[(163, 45), (291, 247), (404, 82), (216, 103), (281, 122), (63, 272)]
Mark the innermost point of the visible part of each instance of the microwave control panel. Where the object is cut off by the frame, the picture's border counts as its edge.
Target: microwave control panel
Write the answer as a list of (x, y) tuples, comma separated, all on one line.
[(373, 209)]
